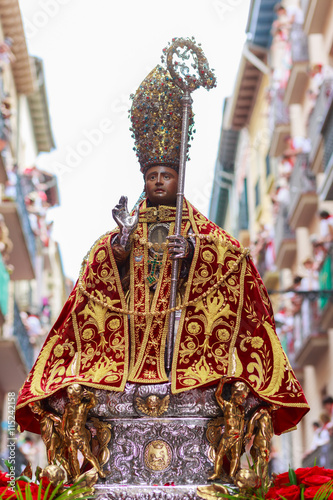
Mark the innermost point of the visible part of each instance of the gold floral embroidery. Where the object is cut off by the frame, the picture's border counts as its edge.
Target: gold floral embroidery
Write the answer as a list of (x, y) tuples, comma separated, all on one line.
[(58, 351), (223, 334), (194, 327), (114, 324), (101, 255), (208, 256), (256, 342)]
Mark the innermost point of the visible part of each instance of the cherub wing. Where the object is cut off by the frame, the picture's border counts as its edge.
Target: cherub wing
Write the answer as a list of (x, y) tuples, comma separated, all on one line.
[(141, 404), (164, 405)]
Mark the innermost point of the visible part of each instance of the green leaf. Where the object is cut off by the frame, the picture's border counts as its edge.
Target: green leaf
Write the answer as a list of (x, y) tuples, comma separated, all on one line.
[(46, 493), (18, 492), (55, 491), (324, 491), (24, 478), (28, 494), (292, 476), (7, 464), (302, 493)]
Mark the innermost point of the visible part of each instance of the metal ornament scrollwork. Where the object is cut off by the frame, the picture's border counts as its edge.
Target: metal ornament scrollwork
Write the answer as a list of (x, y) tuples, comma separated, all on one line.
[(185, 49)]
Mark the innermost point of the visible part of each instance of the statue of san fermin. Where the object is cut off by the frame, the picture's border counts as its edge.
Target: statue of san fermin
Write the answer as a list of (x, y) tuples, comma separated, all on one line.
[(164, 362)]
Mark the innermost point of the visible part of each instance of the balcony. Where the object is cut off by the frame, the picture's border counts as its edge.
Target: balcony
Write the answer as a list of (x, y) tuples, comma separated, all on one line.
[(316, 119), (325, 283), (4, 284), (298, 79), (16, 355), (3, 172), (325, 190), (323, 456), (315, 15), (303, 195), (269, 275), (310, 340), (285, 241), (279, 123), (24, 245), (20, 333)]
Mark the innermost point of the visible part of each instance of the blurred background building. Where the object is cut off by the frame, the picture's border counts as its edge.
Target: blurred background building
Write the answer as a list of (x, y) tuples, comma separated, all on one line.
[(273, 189), (32, 283)]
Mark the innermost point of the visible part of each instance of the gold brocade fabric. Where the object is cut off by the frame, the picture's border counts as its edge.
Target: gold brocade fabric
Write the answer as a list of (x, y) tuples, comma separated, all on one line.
[(226, 326)]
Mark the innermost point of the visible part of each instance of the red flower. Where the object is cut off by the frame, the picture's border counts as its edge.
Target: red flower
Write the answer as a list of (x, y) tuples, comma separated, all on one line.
[(6, 493), (45, 483), (303, 472), (310, 493), (313, 480), (271, 493), (25, 486), (282, 479), (292, 492), (4, 478)]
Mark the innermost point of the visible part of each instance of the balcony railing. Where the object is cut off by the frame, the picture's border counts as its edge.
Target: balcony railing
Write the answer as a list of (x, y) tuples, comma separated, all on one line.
[(328, 136), (282, 229), (307, 320), (305, 338), (24, 216), (279, 112), (321, 456), (4, 284), (319, 111), (21, 334), (302, 181), (299, 44)]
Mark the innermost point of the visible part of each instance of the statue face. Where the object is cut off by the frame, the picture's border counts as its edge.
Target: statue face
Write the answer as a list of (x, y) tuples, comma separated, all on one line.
[(161, 185), (74, 391)]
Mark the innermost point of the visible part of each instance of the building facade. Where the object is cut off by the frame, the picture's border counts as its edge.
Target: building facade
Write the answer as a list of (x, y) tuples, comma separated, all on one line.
[(273, 186), (32, 283)]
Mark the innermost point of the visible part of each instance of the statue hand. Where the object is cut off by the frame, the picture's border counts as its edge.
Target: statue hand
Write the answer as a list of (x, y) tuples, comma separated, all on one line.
[(178, 247), (127, 223)]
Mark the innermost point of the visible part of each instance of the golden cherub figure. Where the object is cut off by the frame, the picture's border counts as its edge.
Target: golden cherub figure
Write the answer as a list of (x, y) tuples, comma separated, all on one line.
[(262, 420), (231, 442), (75, 434), (51, 433), (153, 405)]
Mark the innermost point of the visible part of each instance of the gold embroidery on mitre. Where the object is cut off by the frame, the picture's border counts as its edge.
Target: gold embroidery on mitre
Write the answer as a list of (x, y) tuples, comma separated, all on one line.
[(156, 116)]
